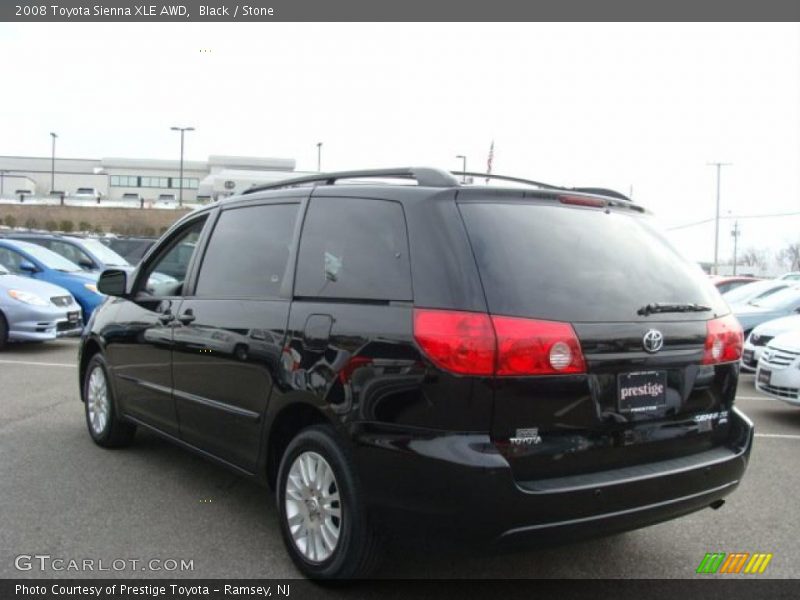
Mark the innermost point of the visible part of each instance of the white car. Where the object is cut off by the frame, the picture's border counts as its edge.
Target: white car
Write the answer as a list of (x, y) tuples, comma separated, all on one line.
[(762, 335), (778, 373), (87, 192)]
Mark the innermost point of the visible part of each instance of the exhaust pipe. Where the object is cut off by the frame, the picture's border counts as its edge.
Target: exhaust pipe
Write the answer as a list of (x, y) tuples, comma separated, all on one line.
[(717, 504)]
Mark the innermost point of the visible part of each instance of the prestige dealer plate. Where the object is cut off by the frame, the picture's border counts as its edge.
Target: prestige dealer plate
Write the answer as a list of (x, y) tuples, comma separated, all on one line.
[(641, 391)]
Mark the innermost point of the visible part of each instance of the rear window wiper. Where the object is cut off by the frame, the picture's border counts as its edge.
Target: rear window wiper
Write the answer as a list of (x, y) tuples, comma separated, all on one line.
[(663, 307)]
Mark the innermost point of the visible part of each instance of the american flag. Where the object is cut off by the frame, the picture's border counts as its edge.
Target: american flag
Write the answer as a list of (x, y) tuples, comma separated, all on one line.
[(489, 161)]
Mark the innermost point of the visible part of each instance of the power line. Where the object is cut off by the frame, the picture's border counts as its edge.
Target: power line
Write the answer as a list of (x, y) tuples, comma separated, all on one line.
[(766, 216)]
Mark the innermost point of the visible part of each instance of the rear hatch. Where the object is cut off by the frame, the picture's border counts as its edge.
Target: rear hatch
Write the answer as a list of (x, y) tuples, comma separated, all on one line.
[(643, 393)]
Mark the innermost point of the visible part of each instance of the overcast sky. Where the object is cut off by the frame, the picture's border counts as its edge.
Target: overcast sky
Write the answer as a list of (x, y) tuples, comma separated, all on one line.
[(633, 105)]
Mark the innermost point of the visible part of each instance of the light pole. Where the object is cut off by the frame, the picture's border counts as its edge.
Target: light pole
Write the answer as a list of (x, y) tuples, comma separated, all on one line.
[(180, 188), (319, 157), (2, 176), (53, 163), (719, 166), (735, 233), (463, 167)]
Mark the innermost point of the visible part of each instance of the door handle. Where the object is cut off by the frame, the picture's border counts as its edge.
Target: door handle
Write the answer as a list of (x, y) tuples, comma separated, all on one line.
[(187, 317), (166, 317)]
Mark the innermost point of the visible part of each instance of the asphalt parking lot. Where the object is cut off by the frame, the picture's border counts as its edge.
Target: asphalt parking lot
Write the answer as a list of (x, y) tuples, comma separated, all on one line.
[(63, 496)]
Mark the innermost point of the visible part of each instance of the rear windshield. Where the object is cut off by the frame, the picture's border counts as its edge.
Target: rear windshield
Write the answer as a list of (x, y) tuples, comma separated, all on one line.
[(573, 264)]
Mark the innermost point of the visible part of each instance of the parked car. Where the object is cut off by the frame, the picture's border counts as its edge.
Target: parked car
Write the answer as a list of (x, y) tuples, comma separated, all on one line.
[(507, 362), (132, 197), (31, 260), (88, 253), (763, 334), (778, 373), (725, 284), (791, 276), (750, 292), (35, 311), (130, 248), (780, 304), (87, 192)]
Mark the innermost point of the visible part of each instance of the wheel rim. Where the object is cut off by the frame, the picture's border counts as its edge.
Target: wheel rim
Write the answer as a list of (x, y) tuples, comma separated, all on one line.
[(97, 400), (313, 507)]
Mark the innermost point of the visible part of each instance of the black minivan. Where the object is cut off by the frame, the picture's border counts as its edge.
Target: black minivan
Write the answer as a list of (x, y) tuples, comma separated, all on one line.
[(392, 348)]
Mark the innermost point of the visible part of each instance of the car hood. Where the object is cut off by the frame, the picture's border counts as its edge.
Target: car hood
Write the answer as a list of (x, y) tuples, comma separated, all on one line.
[(779, 326), (787, 341), (26, 284)]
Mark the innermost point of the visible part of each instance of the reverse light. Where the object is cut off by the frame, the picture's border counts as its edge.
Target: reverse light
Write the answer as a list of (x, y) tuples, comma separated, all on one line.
[(724, 341), (470, 343), (28, 298)]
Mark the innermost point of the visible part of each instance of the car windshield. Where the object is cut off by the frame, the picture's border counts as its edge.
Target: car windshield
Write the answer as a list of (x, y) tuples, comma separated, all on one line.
[(84, 191), (759, 289), (50, 259), (779, 300), (105, 254), (3, 270)]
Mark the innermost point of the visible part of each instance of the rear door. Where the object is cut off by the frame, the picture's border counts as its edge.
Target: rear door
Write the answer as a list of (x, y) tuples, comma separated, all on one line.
[(229, 330), (596, 269)]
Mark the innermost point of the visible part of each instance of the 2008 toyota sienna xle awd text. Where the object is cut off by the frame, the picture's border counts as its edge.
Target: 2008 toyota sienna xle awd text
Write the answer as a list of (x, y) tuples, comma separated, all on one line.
[(515, 361)]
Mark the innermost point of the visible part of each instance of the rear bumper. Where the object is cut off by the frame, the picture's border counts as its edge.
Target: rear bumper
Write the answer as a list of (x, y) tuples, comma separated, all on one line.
[(461, 483)]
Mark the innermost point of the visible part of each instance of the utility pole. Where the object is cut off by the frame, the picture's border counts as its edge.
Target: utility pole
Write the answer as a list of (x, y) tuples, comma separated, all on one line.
[(319, 157), (735, 233), (2, 177), (53, 163), (463, 167), (182, 130), (719, 166)]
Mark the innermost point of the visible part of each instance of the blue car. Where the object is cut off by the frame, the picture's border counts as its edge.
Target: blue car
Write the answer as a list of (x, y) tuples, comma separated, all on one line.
[(31, 260), (88, 253), (780, 304)]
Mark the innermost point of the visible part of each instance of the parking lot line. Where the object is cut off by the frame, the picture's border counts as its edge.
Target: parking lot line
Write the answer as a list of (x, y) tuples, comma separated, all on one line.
[(36, 364), (779, 436)]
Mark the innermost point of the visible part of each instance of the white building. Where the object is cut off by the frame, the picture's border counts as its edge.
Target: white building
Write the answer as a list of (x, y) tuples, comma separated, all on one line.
[(202, 180)]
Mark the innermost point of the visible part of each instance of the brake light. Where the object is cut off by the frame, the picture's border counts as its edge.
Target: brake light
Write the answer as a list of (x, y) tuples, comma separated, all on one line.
[(582, 201), (724, 341), (530, 347), (470, 343)]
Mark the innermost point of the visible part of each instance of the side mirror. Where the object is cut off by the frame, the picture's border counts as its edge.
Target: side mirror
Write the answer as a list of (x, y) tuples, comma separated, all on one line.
[(86, 265), (113, 282), (28, 267)]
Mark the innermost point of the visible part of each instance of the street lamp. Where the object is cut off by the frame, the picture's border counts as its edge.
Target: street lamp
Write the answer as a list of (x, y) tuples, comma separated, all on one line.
[(180, 188), (463, 167), (719, 166), (53, 163), (319, 157)]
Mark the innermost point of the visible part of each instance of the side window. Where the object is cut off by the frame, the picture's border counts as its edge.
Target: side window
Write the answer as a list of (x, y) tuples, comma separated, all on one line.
[(10, 260), (70, 252), (248, 252), (354, 248), (166, 273)]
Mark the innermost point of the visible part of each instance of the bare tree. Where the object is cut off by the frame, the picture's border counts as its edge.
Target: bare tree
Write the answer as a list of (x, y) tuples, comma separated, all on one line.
[(790, 256), (754, 257)]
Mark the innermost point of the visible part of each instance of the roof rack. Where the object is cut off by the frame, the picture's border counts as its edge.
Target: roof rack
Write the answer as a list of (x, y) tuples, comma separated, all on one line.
[(585, 190), (424, 176)]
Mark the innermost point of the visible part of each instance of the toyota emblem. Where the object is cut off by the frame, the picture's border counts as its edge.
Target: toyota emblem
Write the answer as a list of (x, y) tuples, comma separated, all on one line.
[(653, 341)]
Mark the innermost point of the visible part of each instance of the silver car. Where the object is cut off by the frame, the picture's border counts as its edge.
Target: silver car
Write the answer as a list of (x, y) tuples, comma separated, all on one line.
[(35, 311)]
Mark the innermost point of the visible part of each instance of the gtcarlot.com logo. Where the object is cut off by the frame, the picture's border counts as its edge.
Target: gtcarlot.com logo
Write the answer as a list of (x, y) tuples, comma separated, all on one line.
[(734, 563), (46, 562)]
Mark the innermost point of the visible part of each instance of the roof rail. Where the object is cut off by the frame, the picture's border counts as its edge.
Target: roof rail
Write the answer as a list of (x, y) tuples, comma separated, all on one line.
[(602, 192), (507, 178), (424, 176)]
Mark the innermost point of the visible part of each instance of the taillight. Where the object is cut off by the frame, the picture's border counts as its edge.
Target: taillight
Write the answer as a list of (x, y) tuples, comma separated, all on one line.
[(529, 347), (477, 344), (724, 341), (461, 342)]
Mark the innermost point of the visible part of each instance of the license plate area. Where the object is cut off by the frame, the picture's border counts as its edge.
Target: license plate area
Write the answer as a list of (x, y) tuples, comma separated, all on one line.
[(72, 316), (642, 391), (764, 376)]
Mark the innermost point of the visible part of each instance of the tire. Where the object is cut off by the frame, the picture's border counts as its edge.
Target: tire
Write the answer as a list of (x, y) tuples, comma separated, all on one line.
[(102, 419), (3, 331), (355, 552)]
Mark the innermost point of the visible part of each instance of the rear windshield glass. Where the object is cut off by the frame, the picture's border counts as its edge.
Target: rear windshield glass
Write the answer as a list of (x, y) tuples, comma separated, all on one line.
[(574, 264)]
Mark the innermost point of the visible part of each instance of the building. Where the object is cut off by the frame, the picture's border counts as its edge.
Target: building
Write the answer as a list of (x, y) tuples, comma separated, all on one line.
[(150, 180)]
